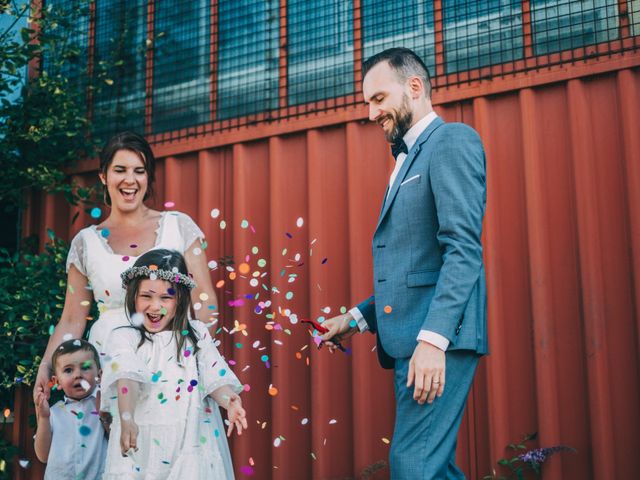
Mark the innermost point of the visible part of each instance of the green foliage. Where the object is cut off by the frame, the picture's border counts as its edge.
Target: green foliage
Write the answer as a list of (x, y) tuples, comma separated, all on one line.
[(7, 453), (32, 291), (46, 129)]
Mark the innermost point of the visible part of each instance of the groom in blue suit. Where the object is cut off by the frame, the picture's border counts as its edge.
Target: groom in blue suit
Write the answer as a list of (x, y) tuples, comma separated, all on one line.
[(429, 305)]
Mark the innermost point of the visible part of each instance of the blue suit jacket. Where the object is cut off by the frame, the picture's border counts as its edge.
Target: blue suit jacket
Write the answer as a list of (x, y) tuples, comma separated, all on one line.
[(428, 271)]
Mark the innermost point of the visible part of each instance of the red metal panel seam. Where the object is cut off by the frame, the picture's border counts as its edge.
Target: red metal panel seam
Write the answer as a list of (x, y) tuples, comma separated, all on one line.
[(288, 187), (497, 385), (541, 283), (591, 274), (629, 100)]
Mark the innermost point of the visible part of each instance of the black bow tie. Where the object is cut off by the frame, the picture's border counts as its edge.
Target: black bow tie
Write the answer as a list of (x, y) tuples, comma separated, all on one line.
[(398, 148)]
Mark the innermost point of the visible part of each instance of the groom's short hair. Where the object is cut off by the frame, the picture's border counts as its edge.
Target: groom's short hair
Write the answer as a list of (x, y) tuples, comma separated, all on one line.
[(404, 62)]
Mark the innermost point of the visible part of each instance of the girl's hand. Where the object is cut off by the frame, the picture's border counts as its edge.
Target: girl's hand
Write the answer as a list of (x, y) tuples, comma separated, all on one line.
[(42, 406), (128, 436), (236, 414), (41, 385)]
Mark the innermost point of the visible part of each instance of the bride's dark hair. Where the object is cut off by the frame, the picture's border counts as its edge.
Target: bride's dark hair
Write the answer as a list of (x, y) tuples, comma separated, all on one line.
[(165, 260)]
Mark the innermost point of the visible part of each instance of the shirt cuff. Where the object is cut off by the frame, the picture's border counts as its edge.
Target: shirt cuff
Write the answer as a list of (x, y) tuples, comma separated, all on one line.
[(357, 316), (434, 339)]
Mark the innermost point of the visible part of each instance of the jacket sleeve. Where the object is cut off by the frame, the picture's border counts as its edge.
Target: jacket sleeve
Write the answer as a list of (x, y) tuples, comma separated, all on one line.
[(458, 180)]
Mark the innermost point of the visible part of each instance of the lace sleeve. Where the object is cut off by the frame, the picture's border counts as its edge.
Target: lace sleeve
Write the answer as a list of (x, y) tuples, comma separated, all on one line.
[(189, 231), (213, 370), (123, 361), (76, 256)]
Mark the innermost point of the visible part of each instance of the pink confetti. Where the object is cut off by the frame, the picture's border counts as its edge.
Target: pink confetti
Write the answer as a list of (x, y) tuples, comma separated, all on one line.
[(169, 204)]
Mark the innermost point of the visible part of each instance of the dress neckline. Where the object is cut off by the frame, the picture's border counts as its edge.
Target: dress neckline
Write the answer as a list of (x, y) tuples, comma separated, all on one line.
[(105, 242)]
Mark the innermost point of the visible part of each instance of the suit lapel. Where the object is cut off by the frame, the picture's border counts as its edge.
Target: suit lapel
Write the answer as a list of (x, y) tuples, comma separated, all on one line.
[(424, 136)]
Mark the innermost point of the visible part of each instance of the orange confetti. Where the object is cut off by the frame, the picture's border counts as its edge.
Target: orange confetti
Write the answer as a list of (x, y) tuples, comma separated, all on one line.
[(273, 391), (220, 284), (153, 267), (7, 412), (232, 275), (388, 309), (298, 355), (244, 268)]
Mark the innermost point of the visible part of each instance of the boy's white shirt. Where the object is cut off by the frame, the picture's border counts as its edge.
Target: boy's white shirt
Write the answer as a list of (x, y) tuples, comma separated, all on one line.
[(76, 452)]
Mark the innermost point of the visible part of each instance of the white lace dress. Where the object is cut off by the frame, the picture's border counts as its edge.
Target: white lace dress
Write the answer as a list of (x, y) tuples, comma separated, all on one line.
[(91, 254), (177, 436)]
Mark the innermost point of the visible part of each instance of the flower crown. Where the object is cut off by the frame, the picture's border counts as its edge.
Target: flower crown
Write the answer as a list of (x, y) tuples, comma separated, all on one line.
[(153, 273)]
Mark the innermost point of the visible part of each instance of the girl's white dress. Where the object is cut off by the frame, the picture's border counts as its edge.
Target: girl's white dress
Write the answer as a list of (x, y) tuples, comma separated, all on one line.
[(92, 255), (178, 435)]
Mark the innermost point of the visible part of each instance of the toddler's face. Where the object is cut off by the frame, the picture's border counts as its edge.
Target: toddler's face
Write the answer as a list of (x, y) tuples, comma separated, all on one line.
[(76, 374), (156, 302)]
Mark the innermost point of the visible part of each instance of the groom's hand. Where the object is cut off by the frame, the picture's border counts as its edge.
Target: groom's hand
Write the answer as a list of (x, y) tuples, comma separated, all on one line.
[(339, 328), (426, 370)]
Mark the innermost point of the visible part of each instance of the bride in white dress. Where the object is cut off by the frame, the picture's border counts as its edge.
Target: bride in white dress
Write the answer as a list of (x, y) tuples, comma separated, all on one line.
[(100, 253)]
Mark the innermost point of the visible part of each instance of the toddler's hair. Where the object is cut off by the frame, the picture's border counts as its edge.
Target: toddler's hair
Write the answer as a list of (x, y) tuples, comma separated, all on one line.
[(172, 261), (72, 346)]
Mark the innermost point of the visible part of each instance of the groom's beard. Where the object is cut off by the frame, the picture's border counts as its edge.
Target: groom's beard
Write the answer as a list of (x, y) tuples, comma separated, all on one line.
[(402, 118)]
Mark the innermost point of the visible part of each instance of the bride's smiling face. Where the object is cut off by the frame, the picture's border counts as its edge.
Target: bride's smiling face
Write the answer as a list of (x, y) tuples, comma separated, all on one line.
[(156, 302), (126, 180)]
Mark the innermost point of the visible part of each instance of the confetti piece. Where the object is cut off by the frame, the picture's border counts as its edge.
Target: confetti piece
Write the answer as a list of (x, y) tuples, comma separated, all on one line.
[(215, 213), (304, 421), (388, 309), (85, 430), (96, 212), (212, 265), (223, 224), (300, 222), (169, 204), (244, 224), (333, 421), (86, 386), (244, 268), (197, 251), (324, 260), (125, 258), (246, 387), (105, 232), (246, 470), (85, 303), (137, 319), (124, 390), (126, 416), (289, 295), (204, 297), (262, 263), (220, 284), (7, 413), (67, 336), (24, 463), (385, 440)]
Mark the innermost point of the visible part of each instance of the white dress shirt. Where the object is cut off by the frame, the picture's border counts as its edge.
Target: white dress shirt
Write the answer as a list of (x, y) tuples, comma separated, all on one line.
[(409, 139), (78, 443)]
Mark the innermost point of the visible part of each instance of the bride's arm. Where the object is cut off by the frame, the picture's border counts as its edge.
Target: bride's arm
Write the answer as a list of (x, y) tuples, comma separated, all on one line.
[(204, 294), (73, 321)]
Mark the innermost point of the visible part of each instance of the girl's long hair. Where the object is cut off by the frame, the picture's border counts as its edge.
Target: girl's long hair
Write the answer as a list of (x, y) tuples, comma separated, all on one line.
[(182, 329)]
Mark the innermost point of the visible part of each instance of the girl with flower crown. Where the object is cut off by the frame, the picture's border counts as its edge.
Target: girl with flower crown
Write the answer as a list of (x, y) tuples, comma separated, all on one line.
[(165, 371)]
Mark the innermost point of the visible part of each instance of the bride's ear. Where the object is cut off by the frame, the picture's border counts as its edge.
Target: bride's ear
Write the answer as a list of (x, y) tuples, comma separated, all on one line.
[(103, 179)]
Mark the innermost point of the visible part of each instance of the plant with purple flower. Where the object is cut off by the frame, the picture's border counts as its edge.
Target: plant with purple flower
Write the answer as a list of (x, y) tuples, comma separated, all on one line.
[(527, 462)]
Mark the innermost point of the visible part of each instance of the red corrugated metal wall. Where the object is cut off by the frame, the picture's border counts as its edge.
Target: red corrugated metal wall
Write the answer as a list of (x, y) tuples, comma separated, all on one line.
[(562, 248)]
